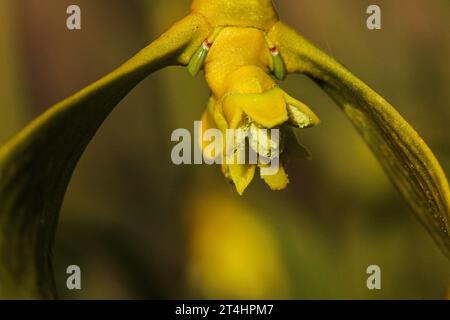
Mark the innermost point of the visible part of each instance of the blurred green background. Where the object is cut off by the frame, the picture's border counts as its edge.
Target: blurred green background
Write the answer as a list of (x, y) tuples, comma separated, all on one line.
[(141, 227)]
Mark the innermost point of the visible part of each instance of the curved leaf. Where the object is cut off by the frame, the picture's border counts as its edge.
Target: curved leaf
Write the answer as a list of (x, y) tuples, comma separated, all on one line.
[(405, 157), (36, 165)]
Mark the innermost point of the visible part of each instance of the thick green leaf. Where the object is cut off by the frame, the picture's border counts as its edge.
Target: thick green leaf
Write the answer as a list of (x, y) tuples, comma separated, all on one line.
[(36, 165), (405, 157)]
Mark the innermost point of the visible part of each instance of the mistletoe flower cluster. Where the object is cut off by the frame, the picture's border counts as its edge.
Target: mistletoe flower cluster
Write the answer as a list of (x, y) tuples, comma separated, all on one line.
[(242, 67)]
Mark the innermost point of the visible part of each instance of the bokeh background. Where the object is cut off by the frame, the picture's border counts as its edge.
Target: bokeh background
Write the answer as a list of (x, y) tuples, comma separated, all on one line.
[(141, 227)]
